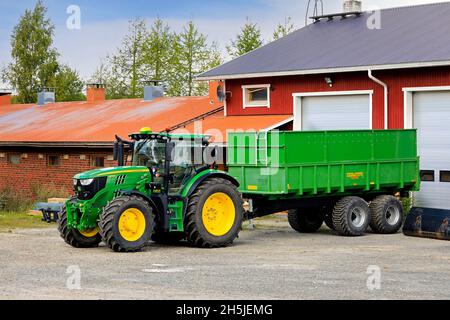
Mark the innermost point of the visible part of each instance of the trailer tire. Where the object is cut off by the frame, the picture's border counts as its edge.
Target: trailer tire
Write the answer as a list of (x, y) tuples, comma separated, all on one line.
[(386, 215), (305, 222), (351, 216), (74, 237), (126, 224), (329, 221), (200, 216)]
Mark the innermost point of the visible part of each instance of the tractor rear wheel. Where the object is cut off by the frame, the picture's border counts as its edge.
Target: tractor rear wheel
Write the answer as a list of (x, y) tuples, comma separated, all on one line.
[(76, 238), (386, 215), (214, 215), (307, 221), (351, 216), (126, 224)]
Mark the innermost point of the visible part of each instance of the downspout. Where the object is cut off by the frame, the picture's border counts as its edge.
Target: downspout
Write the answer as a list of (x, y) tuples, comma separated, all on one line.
[(386, 97)]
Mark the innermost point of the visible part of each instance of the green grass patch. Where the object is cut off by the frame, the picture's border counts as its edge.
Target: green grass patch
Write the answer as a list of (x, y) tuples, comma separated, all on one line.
[(19, 220)]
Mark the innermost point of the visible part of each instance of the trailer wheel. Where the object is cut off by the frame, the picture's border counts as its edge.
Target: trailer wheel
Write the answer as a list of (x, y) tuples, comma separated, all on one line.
[(386, 215), (306, 221), (351, 216), (126, 224), (214, 215), (76, 238)]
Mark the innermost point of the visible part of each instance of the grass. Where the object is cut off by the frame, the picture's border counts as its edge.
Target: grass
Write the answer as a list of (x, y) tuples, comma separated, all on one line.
[(20, 220)]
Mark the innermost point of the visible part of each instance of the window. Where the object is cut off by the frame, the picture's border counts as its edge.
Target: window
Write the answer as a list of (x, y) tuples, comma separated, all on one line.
[(445, 176), (427, 175), (53, 161), (14, 158), (256, 96), (98, 161)]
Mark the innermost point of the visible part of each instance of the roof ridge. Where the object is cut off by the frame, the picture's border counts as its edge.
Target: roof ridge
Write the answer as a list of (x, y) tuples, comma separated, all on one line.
[(412, 6)]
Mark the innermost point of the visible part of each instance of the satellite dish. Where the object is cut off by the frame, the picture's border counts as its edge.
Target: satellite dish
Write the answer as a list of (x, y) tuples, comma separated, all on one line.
[(221, 95)]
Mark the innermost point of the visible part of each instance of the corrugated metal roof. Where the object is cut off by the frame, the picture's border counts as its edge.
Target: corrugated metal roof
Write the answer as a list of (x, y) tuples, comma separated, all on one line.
[(76, 122), (219, 125), (409, 36)]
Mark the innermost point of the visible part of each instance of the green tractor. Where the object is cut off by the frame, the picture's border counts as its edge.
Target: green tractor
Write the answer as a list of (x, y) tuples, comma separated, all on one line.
[(169, 194)]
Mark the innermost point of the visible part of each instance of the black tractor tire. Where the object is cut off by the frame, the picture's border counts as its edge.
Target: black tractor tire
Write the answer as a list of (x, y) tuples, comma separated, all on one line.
[(308, 221), (194, 226), (386, 215), (351, 217), (329, 221), (169, 238), (110, 218), (73, 237)]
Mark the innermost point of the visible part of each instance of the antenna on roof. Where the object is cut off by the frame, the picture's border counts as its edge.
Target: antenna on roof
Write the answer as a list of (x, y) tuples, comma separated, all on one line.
[(318, 5)]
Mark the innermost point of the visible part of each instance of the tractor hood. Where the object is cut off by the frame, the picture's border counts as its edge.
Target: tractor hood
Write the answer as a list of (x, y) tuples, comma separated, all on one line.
[(106, 172)]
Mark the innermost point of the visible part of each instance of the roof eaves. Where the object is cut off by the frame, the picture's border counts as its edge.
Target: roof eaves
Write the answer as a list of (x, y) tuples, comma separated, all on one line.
[(327, 70), (57, 144)]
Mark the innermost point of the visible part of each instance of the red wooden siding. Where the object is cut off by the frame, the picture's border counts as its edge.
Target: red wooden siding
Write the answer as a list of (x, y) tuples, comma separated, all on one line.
[(283, 88)]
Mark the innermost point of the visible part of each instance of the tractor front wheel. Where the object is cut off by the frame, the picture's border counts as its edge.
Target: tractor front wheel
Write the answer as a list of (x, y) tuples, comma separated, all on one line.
[(126, 224), (76, 238), (214, 215)]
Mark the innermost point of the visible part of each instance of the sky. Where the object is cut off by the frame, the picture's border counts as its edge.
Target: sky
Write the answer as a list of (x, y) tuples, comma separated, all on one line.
[(105, 22)]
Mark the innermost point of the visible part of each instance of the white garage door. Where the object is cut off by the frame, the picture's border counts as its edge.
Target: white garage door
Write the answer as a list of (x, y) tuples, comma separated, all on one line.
[(336, 112), (432, 119)]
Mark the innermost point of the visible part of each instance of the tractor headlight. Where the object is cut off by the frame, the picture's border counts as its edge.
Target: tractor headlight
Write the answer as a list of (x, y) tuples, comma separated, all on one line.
[(75, 182), (86, 182)]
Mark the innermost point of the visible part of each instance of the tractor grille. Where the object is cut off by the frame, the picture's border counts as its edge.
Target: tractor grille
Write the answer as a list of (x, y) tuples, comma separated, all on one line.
[(89, 192)]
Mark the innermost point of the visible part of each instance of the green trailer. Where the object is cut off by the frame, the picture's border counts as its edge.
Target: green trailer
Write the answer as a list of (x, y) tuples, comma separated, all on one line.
[(348, 179)]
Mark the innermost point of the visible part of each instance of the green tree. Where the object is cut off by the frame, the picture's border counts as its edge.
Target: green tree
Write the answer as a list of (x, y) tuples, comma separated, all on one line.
[(158, 50), (34, 59), (127, 68), (247, 40), (192, 56), (69, 86), (283, 29)]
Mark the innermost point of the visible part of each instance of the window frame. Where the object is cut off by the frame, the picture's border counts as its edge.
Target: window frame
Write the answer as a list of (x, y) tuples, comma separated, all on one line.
[(53, 165), (93, 161), (14, 154), (247, 104)]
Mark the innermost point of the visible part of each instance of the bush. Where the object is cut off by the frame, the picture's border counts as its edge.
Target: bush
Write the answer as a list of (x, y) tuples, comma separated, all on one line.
[(407, 204), (13, 201)]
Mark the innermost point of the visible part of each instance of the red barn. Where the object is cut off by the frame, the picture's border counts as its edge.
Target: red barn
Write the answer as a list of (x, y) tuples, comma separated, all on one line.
[(357, 70)]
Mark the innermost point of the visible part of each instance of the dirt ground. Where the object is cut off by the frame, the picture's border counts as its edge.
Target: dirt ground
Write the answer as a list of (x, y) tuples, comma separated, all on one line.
[(271, 262)]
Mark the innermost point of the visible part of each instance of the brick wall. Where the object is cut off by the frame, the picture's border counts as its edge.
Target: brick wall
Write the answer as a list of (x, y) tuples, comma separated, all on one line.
[(34, 167)]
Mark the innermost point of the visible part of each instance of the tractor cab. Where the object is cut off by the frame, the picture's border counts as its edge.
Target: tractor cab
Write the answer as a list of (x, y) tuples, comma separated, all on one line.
[(173, 159)]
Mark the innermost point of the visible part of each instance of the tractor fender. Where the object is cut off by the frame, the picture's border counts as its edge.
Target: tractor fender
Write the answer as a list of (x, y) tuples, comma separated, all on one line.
[(198, 179), (157, 206)]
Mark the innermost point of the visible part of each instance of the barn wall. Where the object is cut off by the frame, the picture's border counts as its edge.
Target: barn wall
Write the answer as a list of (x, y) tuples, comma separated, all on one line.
[(284, 87), (34, 169)]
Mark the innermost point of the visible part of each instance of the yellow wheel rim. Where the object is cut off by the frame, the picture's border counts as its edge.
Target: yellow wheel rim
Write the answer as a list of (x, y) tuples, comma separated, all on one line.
[(90, 233), (219, 214), (132, 224)]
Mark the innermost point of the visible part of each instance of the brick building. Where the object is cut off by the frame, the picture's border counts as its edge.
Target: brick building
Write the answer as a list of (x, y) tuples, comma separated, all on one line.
[(49, 143)]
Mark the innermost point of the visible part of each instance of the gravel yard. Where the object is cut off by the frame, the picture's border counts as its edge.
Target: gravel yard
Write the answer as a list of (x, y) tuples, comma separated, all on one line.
[(271, 262)]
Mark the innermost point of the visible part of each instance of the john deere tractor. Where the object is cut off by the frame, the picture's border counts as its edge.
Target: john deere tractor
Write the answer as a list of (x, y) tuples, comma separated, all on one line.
[(168, 194)]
